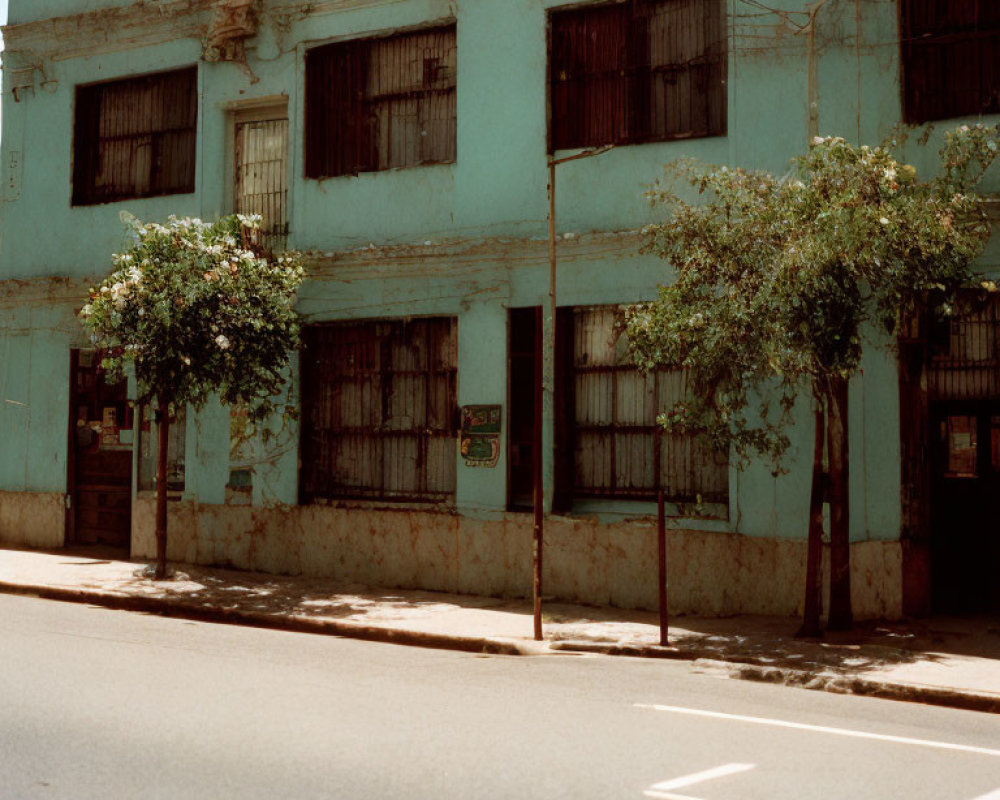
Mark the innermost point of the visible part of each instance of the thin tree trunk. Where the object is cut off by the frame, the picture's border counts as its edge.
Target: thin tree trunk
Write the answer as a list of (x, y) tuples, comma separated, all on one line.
[(841, 617), (814, 555), (163, 430)]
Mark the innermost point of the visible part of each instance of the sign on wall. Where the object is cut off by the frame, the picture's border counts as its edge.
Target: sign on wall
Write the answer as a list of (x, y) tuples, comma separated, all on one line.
[(480, 440)]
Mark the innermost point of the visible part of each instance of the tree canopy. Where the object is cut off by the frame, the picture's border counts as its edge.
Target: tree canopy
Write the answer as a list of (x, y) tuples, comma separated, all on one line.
[(776, 277), (198, 310)]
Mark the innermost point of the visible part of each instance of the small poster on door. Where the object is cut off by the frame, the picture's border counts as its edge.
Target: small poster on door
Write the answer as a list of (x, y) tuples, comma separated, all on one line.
[(109, 418)]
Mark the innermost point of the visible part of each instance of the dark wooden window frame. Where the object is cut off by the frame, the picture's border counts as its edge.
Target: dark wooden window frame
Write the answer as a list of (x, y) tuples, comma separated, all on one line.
[(570, 431), (170, 136), (358, 355), (342, 133), (622, 95), (949, 59)]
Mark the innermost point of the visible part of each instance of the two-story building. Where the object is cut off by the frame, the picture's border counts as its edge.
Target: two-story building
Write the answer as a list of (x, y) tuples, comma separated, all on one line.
[(405, 147)]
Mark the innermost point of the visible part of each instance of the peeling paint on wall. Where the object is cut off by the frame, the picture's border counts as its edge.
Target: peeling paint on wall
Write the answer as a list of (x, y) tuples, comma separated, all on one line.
[(586, 561)]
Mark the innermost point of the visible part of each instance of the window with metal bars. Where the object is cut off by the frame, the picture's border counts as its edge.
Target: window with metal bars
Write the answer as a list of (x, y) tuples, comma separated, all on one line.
[(950, 58), (135, 137), (637, 71), (261, 174), (964, 350), (618, 449), (379, 405), (375, 104)]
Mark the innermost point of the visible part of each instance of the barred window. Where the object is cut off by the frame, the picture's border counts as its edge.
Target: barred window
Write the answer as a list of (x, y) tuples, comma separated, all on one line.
[(135, 137), (638, 71), (375, 104), (379, 403), (950, 59), (261, 173), (618, 449)]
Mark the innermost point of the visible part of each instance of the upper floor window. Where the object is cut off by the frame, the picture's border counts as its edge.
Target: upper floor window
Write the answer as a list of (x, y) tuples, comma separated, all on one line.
[(375, 104), (135, 137), (638, 71), (950, 59), (260, 167)]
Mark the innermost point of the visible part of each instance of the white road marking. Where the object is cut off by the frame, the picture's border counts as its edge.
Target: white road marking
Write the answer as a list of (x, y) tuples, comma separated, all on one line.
[(994, 795), (698, 777), (662, 789), (780, 723)]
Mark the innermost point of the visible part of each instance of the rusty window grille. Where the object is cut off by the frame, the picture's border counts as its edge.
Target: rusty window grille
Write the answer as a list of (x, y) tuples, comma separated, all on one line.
[(379, 401), (618, 449), (375, 104), (964, 348), (950, 55), (135, 137), (638, 71), (261, 172)]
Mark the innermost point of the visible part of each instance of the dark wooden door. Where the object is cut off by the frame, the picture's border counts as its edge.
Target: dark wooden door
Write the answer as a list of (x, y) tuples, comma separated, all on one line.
[(965, 501), (101, 455)]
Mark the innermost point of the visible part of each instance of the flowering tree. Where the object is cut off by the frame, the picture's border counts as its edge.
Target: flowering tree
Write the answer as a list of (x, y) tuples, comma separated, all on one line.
[(198, 310), (777, 278)]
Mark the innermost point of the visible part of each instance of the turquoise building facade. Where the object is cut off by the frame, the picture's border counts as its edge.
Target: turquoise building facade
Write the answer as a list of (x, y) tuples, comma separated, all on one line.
[(437, 209)]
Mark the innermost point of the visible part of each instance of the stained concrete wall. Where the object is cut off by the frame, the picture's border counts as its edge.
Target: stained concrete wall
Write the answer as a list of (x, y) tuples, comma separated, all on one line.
[(32, 519), (586, 560), (463, 239)]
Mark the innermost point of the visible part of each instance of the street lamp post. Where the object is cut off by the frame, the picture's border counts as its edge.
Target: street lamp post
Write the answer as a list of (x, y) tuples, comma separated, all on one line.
[(550, 349)]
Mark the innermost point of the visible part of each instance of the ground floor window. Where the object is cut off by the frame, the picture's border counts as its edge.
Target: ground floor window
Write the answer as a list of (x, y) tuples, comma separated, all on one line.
[(379, 410), (618, 450)]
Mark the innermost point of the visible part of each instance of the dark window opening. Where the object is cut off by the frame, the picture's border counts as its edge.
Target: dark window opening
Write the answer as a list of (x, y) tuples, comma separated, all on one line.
[(524, 340), (379, 410), (619, 451), (950, 55), (135, 138), (638, 71), (376, 104)]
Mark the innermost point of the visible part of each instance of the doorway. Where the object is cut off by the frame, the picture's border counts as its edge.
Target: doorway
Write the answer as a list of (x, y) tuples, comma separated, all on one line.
[(100, 456), (523, 348), (963, 457), (965, 499)]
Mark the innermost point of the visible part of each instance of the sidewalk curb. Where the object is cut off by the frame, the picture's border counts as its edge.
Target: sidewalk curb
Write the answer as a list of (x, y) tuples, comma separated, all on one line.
[(804, 679), (868, 687), (294, 623)]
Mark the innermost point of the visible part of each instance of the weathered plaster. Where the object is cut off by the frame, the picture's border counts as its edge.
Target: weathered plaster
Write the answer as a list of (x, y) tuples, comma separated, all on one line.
[(713, 573), (33, 519)]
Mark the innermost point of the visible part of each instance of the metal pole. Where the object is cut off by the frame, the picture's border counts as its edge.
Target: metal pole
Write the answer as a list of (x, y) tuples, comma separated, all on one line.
[(536, 458), (552, 245), (661, 546), (538, 527)]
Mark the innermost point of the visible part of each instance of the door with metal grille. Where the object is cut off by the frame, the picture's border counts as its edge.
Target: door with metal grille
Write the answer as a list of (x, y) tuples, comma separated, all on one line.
[(964, 393)]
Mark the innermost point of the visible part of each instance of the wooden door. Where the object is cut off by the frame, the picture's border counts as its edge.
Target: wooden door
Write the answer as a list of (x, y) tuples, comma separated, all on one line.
[(100, 455)]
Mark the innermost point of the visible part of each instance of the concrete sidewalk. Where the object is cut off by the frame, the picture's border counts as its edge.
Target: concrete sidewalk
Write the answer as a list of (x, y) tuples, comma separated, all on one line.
[(945, 661)]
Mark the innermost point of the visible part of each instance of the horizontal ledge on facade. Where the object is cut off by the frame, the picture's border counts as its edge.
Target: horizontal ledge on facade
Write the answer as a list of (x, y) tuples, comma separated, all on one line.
[(473, 249)]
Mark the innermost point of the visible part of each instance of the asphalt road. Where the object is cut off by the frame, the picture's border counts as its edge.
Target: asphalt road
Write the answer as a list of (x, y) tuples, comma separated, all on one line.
[(106, 704)]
